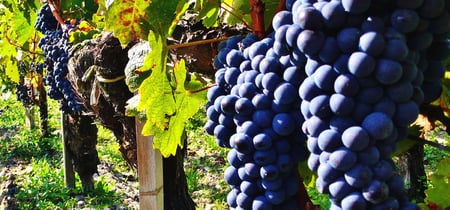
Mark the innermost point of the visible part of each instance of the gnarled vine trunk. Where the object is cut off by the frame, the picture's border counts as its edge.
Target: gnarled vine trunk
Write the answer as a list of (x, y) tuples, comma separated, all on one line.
[(82, 140), (96, 70)]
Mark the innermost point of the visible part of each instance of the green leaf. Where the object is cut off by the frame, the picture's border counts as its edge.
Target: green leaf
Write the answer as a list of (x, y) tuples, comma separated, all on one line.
[(437, 192), (182, 7), (187, 104), (12, 71), (136, 55), (445, 96), (131, 108), (157, 56), (22, 28), (240, 12), (271, 7), (163, 13), (125, 19), (81, 8), (209, 13), (156, 92)]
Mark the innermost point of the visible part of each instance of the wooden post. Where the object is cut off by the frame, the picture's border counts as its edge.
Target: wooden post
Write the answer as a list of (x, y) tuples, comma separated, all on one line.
[(30, 118), (150, 172), (69, 173)]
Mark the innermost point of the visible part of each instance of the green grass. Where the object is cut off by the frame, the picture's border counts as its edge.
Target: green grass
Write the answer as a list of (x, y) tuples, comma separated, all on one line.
[(204, 166), (41, 185), (19, 142), (107, 148), (38, 172)]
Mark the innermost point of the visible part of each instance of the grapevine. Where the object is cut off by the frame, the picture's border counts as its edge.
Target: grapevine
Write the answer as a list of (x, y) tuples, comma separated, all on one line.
[(332, 84)]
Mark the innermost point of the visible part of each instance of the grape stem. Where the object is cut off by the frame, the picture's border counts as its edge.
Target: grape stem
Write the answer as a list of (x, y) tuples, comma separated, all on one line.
[(194, 43), (201, 89), (257, 12), (431, 143), (56, 13), (18, 46)]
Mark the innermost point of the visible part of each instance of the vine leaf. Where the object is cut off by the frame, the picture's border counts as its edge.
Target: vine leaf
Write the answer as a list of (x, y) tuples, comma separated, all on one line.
[(22, 29), (125, 18), (86, 7), (12, 71), (209, 12), (437, 192), (163, 15), (187, 105), (238, 7), (156, 92)]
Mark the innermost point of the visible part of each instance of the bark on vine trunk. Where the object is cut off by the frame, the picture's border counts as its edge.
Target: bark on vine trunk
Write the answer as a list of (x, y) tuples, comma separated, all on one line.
[(176, 195), (82, 140), (417, 174), (412, 167), (95, 70), (29, 117), (43, 111)]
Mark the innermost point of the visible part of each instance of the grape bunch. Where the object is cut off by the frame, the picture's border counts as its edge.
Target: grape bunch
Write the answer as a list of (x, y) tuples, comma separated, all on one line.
[(370, 64), (23, 94), (254, 110), (56, 47), (45, 20), (350, 74)]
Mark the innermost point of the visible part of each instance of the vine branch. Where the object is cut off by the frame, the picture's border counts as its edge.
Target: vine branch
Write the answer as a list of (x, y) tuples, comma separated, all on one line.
[(194, 43), (54, 6), (431, 143), (201, 89), (257, 9), (18, 46)]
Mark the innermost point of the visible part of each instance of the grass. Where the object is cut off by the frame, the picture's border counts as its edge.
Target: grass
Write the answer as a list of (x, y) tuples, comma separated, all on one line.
[(204, 166), (41, 185), (36, 163)]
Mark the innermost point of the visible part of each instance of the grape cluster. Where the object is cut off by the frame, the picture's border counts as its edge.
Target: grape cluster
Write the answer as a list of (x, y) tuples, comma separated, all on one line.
[(45, 20), (370, 64), (351, 74), (254, 110), (23, 94), (56, 47)]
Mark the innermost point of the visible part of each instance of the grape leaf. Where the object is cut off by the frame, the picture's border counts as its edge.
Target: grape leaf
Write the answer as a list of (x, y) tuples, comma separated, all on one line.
[(136, 56), (182, 7), (437, 191), (131, 108), (84, 8), (187, 104), (8, 54), (240, 12), (271, 7), (22, 29), (209, 12), (161, 15), (12, 71), (156, 92), (125, 19)]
